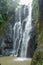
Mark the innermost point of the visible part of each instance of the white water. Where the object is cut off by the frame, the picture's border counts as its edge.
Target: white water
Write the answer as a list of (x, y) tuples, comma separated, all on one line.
[(22, 59), (17, 36), (18, 33), (26, 34)]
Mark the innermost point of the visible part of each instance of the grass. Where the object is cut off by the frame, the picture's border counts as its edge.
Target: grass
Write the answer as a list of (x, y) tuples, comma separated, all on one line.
[(9, 61)]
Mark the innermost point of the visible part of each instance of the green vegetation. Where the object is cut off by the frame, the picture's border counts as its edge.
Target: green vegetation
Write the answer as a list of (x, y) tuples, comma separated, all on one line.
[(35, 15), (3, 15), (6, 7), (10, 61), (38, 55)]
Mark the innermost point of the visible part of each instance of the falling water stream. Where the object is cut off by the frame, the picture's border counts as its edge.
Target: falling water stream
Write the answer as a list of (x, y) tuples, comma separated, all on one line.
[(19, 34)]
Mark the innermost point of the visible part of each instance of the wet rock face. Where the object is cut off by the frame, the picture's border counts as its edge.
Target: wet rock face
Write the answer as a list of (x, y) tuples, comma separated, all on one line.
[(0, 45), (41, 9), (8, 36), (6, 41)]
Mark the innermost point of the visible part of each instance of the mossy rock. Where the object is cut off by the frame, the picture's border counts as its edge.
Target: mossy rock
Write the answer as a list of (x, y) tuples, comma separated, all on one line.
[(38, 56)]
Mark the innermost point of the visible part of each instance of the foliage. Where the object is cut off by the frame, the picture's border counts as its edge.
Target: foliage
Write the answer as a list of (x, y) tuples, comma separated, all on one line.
[(3, 15), (37, 58), (6, 8), (35, 15), (38, 21), (38, 55)]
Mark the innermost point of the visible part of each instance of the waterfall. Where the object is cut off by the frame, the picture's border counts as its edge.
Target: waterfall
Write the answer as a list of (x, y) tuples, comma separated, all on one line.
[(17, 36), (22, 29), (26, 34)]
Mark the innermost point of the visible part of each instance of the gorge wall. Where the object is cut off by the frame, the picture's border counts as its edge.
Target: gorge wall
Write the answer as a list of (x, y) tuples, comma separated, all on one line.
[(38, 19)]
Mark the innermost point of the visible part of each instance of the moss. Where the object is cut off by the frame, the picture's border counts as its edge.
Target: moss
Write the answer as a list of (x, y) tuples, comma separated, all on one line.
[(38, 55), (38, 22), (40, 39), (37, 58), (35, 15)]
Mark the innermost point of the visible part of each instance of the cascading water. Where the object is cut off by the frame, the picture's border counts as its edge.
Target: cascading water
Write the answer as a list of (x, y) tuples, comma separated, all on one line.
[(26, 34), (19, 34), (17, 37)]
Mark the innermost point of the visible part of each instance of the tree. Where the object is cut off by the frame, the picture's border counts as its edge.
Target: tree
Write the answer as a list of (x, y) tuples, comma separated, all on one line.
[(5, 7), (3, 15)]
